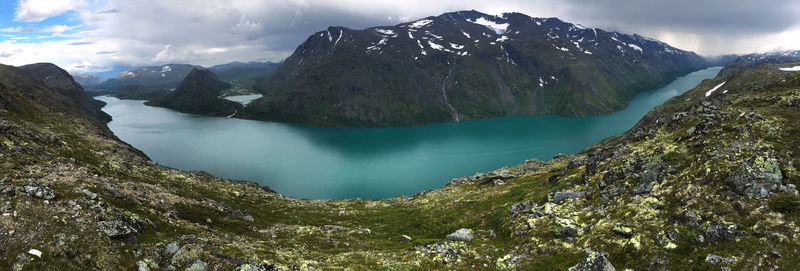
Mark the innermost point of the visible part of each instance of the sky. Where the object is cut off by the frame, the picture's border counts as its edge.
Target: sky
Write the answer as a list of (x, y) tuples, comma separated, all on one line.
[(93, 36)]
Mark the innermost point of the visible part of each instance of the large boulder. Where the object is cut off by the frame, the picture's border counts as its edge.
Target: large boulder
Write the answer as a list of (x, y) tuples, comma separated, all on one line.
[(559, 196), (461, 235), (720, 231), (596, 261), (756, 177)]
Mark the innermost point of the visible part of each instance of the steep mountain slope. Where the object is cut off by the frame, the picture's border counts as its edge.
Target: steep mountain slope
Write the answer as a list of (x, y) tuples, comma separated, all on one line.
[(705, 182), (464, 65), (199, 93), (59, 79)]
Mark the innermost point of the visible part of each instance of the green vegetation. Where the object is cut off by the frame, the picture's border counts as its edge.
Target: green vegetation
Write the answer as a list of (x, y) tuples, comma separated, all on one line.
[(660, 196)]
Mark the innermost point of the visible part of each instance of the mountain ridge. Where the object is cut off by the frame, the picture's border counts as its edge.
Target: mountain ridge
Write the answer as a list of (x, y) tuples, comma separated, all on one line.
[(456, 66)]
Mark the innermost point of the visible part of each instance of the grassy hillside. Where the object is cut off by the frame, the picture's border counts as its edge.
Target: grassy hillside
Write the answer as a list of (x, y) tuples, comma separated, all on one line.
[(700, 183)]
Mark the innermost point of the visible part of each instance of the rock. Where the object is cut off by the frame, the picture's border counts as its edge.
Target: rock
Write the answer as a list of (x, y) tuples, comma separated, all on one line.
[(116, 228), (22, 260), (406, 238), (498, 182), (689, 218), (462, 234), (187, 253), (197, 265), (559, 196), (6, 207), (89, 194), (716, 259), (142, 266), (725, 232), (643, 188), (253, 267), (39, 191), (172, 248), (777, 254), (565, 231), (518, 208), (755, 176), (248, 218), (332, 228), (596, 261), (624, 230), (576, 162)]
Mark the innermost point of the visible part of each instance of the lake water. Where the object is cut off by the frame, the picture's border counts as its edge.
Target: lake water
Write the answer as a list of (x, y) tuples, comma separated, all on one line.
[(325, 163)]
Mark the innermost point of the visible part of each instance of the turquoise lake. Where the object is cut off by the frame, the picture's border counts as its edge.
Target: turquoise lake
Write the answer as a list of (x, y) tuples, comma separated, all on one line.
[(326, 163)]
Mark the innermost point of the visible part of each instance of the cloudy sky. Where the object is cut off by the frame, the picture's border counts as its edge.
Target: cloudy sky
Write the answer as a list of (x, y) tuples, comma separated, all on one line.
[(90, 36)]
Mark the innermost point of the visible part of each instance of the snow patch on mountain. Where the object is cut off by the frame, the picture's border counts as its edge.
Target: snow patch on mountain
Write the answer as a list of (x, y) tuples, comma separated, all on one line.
[(496, 27), (636, 47), (708, 93), (420, 23), (792, 69), (387, 32)]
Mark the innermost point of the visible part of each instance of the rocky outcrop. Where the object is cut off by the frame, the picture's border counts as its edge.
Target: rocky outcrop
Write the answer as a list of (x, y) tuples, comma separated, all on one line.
[(596, 261), (757, 177)]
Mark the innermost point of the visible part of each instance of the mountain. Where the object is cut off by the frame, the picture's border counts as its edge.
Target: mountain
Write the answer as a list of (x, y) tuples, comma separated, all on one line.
[(199, 93), (86, 80), (752, 60), (164, 77), (59, 79), (139, 92), (706, 181), (244, 76), (464, 65), (248, 65)]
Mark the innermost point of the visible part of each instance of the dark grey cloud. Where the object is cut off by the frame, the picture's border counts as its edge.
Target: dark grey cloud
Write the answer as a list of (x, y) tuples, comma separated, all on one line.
[(740, 17), (210, 32)]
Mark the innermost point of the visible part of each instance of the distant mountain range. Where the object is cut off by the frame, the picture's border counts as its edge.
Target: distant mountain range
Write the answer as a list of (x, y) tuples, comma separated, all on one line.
[(152, 79), (746, 62), (464, 65)]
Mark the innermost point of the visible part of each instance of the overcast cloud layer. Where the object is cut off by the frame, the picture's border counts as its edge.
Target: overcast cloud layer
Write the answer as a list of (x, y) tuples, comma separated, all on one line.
[(96, 35)]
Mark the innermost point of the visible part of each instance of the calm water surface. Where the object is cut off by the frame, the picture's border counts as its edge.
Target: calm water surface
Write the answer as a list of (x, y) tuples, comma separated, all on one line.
[(309, 162)]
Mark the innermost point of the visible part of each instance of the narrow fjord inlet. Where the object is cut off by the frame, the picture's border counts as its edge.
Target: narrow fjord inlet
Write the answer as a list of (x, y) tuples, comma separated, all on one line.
[(327, 163)]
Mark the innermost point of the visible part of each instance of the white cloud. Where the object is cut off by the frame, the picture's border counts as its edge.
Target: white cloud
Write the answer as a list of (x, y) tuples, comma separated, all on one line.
[(39, 10)]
